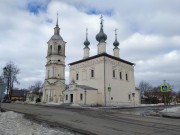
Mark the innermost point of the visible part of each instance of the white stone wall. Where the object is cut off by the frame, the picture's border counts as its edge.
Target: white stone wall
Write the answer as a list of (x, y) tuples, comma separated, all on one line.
[(55, 71), (86, 52), (121, 88), (89, 97), (101, 47), (84, 75), (116, 52), (53, 93)]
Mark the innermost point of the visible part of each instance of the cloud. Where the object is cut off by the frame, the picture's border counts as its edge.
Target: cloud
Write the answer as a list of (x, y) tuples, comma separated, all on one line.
[(159, 68), (148, 45), (147, 31), (35, 6)]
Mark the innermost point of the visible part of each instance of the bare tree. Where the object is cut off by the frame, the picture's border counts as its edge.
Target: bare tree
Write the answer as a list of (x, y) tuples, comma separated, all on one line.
[(146, 92), (35, 89), (144, 86), (11, 76), (178, 96), (153, 94), (36, 86)]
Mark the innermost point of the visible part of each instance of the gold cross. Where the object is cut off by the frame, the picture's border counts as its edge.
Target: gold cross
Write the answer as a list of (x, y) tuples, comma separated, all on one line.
[(101, 18), (86, 32)]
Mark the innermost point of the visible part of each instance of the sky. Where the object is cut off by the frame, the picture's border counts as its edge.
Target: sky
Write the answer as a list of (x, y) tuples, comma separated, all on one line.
[(148, 32)]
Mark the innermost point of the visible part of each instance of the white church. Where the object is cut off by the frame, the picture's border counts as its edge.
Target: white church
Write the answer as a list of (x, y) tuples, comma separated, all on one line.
[(102, 79)]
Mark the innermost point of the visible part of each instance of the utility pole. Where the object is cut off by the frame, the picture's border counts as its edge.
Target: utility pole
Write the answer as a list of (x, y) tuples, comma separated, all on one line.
[(109, 98), (165, 97)]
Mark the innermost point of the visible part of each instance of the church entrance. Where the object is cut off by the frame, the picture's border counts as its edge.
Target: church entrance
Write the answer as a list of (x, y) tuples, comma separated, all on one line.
[(71, 98)]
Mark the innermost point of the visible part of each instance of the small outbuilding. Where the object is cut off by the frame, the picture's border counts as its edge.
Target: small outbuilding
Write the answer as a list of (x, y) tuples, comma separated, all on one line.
[(18, 95), (80, 94)]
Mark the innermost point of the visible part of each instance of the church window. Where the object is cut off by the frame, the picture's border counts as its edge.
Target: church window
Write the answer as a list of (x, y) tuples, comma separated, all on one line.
[(58, 60), (114, 73), (92, 73), (48, 74), (126, 77), (77, 76), (120, 75), (59, 49), (50, 49), (66, 97), (111, 98), (129, 96), (81, 96)]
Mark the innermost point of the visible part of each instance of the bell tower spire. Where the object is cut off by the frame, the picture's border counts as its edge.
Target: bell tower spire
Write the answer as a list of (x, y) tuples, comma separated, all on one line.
[(57, 19), (56, 29)]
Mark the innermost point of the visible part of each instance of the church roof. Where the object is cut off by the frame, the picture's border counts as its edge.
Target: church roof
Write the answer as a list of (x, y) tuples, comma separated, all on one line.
[(86, 87), (19, 93), (99, 55), (86, 42), (116, 43), (56, 37), (101, 36)]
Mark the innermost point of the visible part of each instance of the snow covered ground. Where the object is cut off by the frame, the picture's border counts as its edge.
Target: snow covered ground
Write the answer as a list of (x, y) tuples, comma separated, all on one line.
[(12, 123), (172, 110)]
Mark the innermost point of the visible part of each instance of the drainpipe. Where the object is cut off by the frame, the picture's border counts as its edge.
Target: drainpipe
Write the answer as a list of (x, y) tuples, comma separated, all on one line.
[(104, 82)]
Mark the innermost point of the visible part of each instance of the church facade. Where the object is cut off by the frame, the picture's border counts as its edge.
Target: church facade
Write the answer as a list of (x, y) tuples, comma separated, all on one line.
[(102, 79), (55, 68)]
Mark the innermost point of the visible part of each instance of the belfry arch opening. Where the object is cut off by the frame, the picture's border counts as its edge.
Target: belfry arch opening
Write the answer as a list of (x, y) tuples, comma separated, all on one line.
[(59, 49), (50, 52)]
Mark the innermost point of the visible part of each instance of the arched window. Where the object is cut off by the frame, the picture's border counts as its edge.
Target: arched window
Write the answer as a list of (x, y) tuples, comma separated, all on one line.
[(126, 77), (59, 49), (114, 73), (50, 52), (120, 75), (92, 73), (48, 74), (77, 76), (81, 96)]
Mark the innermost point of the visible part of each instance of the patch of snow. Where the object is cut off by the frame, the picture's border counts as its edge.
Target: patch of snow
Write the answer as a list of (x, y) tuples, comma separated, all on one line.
[(52, 103), (12, 123), (151, 104), (76, 105), (172, 110)]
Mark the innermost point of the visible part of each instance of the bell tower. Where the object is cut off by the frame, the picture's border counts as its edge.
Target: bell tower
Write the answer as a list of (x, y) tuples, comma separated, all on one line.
[(55, 68)]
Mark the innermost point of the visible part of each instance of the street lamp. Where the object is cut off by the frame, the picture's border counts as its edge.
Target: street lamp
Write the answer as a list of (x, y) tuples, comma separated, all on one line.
[(3, 85), (24, 96)]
